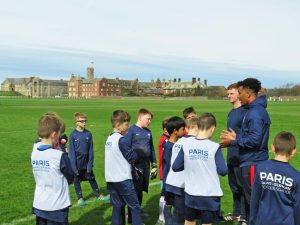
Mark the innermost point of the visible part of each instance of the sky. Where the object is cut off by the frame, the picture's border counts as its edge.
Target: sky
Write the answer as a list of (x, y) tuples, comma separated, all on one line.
[(216, 40)]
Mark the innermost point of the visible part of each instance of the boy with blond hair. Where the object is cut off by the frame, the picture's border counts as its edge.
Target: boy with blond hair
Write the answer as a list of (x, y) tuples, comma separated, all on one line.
[(275, 198), (118, 160), (81, 151), (202, 162), (52, 172)]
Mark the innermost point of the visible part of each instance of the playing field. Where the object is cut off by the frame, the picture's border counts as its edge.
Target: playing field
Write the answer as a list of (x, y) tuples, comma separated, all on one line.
[(18, 118)]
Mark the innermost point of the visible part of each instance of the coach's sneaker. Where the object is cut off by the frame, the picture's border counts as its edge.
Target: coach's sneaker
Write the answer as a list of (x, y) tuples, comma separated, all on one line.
[(231, 217), (81, 202), (242, 222), (104, 198)]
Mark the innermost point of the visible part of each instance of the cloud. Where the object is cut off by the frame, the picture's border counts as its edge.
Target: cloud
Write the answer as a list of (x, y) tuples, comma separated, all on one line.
[(56, 63)]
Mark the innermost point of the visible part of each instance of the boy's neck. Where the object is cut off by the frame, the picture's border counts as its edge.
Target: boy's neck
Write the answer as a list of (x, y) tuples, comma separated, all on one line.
[(46, 141), (282, 158), (139, 125), (173, 138), (193, 132), (204, 134), (80, 129), (116, 130)]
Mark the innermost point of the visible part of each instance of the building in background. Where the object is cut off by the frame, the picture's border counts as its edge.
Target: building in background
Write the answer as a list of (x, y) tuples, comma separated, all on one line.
[(36, 87), (91, 87), (184, 88)]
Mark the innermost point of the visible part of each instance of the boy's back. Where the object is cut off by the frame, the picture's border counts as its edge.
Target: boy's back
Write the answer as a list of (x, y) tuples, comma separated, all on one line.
[(52, 191), (275, 195), (200, 168)]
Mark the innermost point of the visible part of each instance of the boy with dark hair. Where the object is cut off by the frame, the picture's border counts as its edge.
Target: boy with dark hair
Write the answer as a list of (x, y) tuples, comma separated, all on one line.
[(139, 139), (234, 122), (163, 137), (252, 140), (175, 127), (202, 161), (189, 113), (175, 180), (81, 151), (118, 158), (275, 198), (52, 172)]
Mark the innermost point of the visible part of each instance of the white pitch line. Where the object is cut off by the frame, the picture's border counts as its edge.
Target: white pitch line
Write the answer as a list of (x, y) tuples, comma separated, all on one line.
[(32, 217)]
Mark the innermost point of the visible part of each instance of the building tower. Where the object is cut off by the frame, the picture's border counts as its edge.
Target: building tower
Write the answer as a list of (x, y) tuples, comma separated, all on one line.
[(90, 72)]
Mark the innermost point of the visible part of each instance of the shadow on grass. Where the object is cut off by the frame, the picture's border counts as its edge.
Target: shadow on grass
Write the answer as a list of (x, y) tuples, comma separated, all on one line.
[(151, 208), (92, 217), (91, 195)]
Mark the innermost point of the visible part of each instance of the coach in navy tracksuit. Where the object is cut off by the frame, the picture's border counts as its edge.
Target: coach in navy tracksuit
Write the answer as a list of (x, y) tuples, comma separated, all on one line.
[(234, 122), (252, 140)]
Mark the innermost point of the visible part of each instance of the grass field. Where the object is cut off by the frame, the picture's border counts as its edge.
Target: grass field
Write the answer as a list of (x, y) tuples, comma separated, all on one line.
[(18, 131)]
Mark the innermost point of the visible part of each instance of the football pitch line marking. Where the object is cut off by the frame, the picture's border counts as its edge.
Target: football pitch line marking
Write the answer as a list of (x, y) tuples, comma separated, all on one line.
[(32, 217)]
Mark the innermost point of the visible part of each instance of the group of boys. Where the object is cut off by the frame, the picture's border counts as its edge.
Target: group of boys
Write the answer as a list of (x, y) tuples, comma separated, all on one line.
[(191, 159), (264, 192), (256, 183)]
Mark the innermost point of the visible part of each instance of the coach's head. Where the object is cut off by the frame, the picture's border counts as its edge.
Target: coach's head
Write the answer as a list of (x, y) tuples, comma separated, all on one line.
[(248, 90)]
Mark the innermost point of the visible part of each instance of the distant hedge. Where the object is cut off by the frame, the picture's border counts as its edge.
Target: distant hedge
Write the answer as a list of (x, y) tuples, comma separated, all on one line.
[(10, 93)]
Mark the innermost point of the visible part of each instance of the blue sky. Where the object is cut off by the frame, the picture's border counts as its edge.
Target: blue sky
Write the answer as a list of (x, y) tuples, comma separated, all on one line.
[(220, 41)]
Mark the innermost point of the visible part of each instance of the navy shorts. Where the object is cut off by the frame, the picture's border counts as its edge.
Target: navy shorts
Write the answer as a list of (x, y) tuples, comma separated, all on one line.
[(204, 216), (169, 198)]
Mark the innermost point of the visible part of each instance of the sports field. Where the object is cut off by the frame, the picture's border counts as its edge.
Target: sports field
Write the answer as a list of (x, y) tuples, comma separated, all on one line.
[(18, 131)]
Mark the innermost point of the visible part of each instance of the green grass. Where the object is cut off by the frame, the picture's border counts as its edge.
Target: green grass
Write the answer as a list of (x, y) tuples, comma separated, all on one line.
[(18, 131)]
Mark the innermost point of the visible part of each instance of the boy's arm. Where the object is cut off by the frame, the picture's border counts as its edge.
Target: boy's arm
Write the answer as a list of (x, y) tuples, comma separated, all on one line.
[(152, 155), (255, 198), (128, 137), (167, 155), (65, 168), (178, 164), (220, 163), (91, 155), (72, 155), (127, 151)]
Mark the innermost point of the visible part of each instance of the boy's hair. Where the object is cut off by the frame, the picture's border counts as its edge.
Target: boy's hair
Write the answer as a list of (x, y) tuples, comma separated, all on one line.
[(232, 86), (250, 83), (48, 124), (119, 116), (206, 121), (144, 111), (174, 123), (78, 115), (193, 122), (188, 111), (63, 124), (164, 122), (284, 143)]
